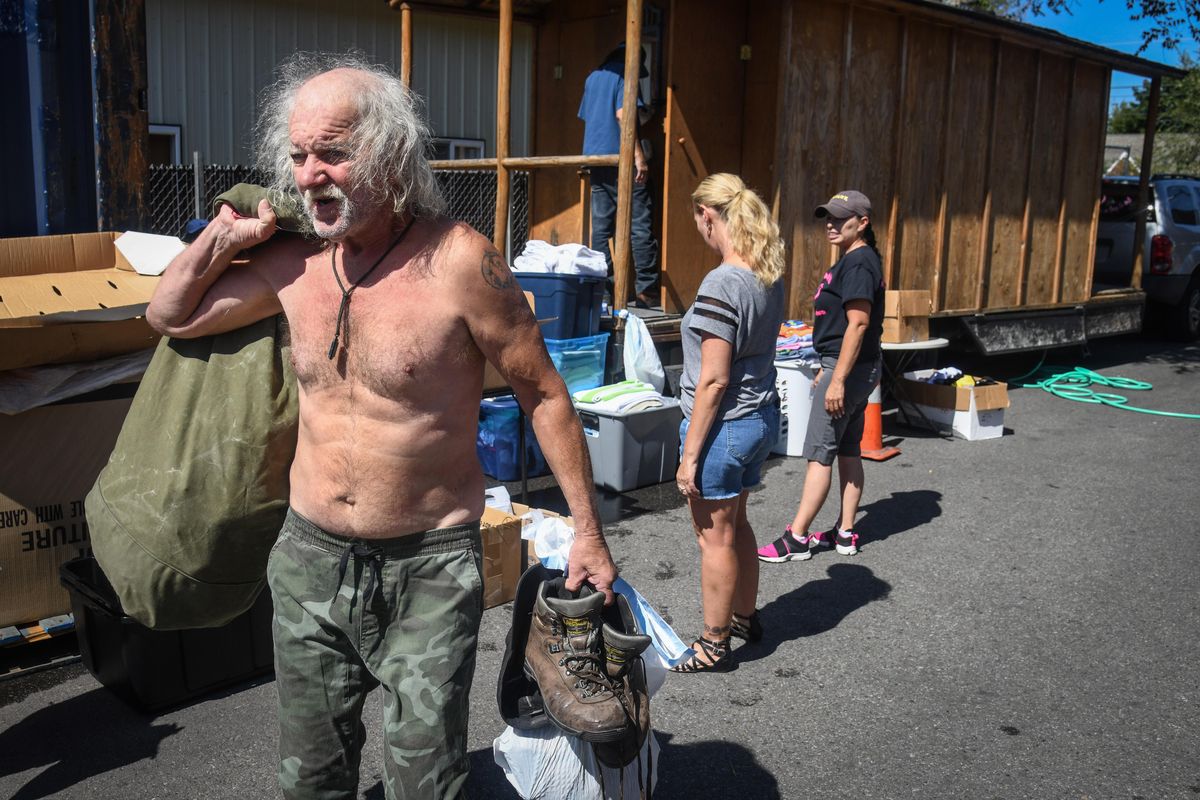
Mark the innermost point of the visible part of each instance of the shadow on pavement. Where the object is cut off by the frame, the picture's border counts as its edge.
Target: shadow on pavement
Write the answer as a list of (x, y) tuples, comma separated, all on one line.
[(900, 512), (814, 608), (57, 738), (713, 768)]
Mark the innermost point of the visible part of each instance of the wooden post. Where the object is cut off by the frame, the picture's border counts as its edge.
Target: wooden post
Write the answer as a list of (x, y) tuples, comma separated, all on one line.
[(585, 208), (1097, 171), (122, 132), (1139, 231), (500, 235), (406, 44), (622, 249)]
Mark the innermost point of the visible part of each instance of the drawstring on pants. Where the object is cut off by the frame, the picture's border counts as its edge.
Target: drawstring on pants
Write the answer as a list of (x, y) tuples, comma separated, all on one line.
[(361, 552)]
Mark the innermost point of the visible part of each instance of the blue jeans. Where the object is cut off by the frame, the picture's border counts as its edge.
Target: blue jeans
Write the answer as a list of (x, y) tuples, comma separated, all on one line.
[(733, 454), (604, 219)]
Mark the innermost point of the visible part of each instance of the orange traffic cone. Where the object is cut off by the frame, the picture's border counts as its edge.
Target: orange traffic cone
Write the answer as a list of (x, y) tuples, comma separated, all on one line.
[(872, 438)]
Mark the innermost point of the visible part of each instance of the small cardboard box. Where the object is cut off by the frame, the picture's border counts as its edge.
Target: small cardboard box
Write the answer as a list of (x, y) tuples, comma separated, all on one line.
[(502, 567), (907, 303), (49, 459), (70, 298), (901, 330), (972, 413), (906, 315), (521, 510)]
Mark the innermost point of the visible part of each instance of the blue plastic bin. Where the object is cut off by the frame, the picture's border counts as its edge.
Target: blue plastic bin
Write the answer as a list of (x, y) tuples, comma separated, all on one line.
[(571, 303), (498, 441), (580, 361)]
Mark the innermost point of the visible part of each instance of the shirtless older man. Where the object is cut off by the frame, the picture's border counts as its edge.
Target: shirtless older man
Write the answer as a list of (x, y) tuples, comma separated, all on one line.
[(392, 312)]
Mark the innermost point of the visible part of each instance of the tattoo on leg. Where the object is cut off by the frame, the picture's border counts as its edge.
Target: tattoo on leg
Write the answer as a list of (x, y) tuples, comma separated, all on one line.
[(717, 632), (495, 271)]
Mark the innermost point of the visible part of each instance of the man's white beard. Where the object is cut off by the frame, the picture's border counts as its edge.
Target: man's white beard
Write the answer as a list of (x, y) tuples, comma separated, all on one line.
[(347, 211)]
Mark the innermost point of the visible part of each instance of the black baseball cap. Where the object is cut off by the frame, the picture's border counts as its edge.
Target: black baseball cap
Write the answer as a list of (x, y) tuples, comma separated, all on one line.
[(847, 203), (617, 56)]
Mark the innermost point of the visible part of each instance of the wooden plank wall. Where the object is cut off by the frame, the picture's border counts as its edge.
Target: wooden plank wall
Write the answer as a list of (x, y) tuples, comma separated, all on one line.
[(981, 157)]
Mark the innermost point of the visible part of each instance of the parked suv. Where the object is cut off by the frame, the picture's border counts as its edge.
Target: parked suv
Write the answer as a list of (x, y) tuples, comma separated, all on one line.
[(1171, 260)]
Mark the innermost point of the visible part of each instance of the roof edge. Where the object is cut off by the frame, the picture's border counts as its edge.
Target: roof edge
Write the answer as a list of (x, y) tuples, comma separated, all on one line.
[(1025, 33)]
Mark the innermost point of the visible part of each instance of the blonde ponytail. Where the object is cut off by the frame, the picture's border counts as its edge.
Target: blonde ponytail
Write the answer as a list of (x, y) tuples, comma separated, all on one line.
[(753, 233)]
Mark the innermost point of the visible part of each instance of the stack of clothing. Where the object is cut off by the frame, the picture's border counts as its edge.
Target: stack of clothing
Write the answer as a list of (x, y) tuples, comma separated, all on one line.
[(622, 398), (795, 342), (565, 259), (953, 376)]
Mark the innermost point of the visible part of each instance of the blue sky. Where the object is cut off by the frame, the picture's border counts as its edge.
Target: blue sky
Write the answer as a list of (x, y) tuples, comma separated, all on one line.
[(1108, 24)]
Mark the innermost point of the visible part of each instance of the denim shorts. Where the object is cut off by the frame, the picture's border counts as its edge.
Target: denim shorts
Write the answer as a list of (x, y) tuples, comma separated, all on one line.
[(733, 454)]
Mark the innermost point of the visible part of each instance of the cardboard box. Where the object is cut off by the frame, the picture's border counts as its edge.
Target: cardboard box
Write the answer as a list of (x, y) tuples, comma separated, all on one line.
[(957, 398), (906, 316), (502, 565), (901, 330), (70, 298), (521, 510), (49, 460), (971, 413), (907, 303)]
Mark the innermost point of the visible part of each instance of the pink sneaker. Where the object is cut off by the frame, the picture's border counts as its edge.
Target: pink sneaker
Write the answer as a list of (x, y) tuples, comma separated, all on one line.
[(787, 548)]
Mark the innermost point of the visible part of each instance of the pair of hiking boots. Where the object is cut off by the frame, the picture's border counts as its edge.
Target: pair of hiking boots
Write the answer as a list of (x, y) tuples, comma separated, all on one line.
[(586, 660)]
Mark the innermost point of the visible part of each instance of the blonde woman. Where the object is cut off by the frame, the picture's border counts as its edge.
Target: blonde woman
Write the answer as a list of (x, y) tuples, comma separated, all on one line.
[(731, 409)]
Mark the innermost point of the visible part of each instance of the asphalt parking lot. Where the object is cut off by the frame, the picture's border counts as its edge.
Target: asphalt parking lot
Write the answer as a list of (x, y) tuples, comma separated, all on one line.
[(1023, 622)]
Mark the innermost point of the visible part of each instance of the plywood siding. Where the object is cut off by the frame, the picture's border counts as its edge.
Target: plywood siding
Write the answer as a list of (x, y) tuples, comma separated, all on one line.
[(810, 113), (1045, 179), (922, 152), (981, 157), (1082, 190), (570, 43), (704, 132)]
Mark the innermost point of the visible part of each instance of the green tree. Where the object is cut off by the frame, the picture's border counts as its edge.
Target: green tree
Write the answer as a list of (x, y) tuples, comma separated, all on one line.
[(1177, 142)]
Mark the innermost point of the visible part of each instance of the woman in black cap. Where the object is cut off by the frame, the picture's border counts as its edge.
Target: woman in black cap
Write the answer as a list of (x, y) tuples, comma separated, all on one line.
[(847, 325)]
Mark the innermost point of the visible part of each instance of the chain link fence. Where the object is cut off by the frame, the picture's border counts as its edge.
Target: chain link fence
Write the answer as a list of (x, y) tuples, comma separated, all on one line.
[(176, 194)]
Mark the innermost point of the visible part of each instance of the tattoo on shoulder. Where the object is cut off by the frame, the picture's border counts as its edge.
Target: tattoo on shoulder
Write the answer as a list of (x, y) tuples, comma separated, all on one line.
[(495, 271)]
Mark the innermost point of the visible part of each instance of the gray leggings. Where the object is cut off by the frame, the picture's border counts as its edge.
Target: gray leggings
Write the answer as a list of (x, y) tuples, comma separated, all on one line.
[(828, 437)]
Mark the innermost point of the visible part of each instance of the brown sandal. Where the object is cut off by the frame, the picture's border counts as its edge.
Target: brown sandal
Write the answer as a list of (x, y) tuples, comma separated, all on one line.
[(718, 653)]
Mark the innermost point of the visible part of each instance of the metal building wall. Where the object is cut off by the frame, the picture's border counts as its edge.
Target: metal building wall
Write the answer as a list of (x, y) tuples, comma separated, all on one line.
[(209, 60)]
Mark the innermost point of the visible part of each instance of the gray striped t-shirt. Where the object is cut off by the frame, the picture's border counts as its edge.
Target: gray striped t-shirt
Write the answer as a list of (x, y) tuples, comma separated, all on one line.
[(732, 304)]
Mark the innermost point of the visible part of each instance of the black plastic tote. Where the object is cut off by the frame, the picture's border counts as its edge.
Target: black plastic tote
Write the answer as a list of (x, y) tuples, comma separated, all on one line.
[(184, 515)]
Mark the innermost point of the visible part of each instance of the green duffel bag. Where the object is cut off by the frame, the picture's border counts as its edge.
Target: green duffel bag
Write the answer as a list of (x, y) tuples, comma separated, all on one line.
[(183, 516)]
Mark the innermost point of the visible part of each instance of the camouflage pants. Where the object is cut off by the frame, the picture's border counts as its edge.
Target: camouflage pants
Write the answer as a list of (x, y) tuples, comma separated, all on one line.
[(353, 614)]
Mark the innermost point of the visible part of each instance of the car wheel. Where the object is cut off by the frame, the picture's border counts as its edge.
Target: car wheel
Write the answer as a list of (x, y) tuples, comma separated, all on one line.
[(1185, 317)]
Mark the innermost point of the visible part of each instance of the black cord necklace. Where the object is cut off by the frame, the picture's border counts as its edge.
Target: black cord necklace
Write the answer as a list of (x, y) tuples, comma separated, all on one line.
[(344, 306)]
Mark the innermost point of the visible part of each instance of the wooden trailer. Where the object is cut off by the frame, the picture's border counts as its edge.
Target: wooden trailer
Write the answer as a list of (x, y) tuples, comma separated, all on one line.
[(979, 141)]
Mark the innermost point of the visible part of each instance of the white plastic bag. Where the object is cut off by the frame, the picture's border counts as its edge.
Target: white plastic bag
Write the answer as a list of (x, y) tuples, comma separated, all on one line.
[(641, 359), (548, 764)]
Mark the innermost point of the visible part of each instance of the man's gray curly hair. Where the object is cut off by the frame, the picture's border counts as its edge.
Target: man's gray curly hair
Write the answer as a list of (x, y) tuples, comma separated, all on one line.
[(389, 141)]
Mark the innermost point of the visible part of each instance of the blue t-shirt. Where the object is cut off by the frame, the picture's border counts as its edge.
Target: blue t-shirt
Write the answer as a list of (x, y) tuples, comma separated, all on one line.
[(603, 94)]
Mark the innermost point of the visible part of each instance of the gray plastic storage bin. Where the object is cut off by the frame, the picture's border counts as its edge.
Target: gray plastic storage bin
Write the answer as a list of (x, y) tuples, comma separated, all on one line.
[(632, 450)]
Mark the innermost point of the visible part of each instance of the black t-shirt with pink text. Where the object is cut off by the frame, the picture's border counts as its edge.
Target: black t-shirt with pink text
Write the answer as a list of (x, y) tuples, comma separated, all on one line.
[(857, 275)]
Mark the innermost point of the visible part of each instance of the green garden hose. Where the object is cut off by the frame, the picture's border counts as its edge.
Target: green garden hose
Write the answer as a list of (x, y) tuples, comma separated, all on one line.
[(1074, 384)]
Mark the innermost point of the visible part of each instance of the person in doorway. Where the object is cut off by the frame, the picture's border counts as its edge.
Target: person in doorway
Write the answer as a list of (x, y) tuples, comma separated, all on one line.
[(392, 309), (601, 112), (731, 408), (847, 326)]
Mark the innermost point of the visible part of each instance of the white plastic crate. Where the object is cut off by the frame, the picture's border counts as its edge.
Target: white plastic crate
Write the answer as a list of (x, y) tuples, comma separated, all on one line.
[(794, 382)]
